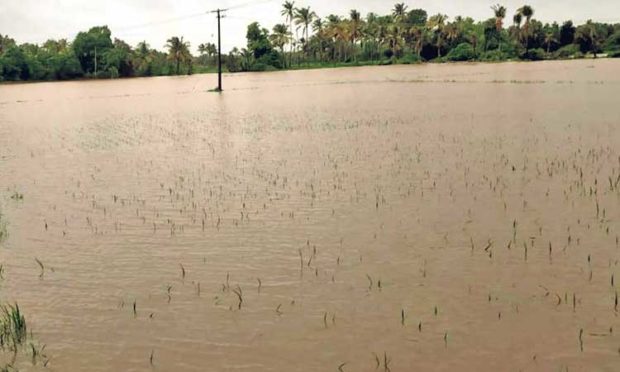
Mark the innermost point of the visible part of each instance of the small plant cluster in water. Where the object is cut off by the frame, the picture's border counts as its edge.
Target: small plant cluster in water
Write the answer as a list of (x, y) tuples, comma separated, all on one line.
[(15, 342)]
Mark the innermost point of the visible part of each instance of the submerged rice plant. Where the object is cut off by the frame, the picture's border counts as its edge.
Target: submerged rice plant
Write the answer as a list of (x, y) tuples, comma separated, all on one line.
[(3, 230), (13, 330)]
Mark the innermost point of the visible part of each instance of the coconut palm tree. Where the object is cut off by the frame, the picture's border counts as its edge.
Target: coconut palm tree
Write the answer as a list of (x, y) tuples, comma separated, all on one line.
[(527, 12), (451, 32), (393, 39), (340, 34), (371, 18), (419, 35), (437, 23), (288, 11), (588, 38), (472, 38), (178, 51), (317, 25), (355, 27), (208, 50), (247, 58), (211, 49), (303, 20), (399, 12), (517, 19), (143, 58), (280, 36), (550, 38), (318, 28), (500, 13), (202, 49)]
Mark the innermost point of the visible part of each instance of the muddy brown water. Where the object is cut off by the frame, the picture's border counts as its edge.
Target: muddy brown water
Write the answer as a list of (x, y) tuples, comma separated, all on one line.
[(354, 195)]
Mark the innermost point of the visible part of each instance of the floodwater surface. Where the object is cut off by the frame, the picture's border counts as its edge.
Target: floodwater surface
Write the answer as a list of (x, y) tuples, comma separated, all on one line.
[(437, 217)]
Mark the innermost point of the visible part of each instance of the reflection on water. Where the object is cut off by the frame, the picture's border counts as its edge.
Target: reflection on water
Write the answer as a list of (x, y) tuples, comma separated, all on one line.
[(440, 217)]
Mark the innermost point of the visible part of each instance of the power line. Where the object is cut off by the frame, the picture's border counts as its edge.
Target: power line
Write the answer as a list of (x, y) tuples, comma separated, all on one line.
[(189, 16), (163, 21), (249, 3)]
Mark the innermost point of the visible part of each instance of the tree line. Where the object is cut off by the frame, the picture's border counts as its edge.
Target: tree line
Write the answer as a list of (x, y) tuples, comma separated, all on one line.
[(94, 54), (409, 36), (304, 39)]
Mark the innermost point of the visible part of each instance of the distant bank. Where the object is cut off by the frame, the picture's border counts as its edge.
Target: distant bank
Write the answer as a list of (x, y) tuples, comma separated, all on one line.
[(306, 41)]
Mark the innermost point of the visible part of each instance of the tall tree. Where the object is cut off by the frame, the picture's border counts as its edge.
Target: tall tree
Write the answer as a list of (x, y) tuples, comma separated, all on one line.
[(526, 12), (588, 37), (355, 28), (567, 33), (90, 47), (399, 11), (288, 11), (178, 51), (500, 13), (280, 36), (419, 37), (5, 43), (550, 39), (143, 59), (318, 28), (436, 24), (417, 17), (303, 20)]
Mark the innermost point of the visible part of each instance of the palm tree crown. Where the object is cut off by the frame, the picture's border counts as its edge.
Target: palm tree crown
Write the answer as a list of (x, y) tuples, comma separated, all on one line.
[(500, 14), (400, 10), (178, 51)]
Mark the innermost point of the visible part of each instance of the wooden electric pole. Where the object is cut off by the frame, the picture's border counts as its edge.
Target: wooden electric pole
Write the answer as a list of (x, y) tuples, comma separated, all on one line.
[(219, 48), (219, 52)]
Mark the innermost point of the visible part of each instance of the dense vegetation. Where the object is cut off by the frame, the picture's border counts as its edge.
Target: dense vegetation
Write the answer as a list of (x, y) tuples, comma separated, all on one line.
[(306, 40), (407, 36), (93, 54)]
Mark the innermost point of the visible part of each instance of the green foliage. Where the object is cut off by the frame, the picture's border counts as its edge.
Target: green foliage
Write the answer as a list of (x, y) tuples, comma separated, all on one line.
[(14, 64), (494, 56), (613, 42), (463, 52), (567, 33), (590, 37), (178, 52), (260, 54), (537, 54), (417, 17), (233, 61), (258, 40), (64, 65), (91, 47), (272, 60), (568, 51), (409, 58)]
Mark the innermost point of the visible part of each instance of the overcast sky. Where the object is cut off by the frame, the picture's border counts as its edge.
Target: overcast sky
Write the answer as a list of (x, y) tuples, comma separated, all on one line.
[(157, 20)]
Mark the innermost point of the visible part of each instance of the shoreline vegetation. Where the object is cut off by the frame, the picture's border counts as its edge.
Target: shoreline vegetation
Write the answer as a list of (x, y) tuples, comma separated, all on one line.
[(306, 41)]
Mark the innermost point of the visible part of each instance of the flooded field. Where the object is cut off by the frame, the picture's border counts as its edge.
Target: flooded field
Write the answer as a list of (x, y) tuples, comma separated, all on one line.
[(438, 217)]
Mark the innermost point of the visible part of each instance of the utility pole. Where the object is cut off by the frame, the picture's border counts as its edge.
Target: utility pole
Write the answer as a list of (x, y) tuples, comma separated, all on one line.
[(219, 48), (219, 52)]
